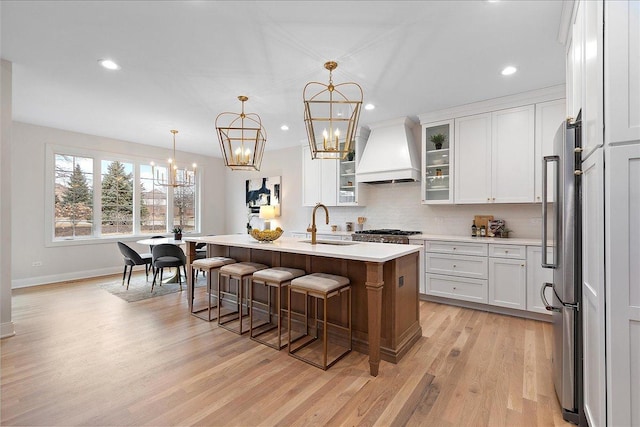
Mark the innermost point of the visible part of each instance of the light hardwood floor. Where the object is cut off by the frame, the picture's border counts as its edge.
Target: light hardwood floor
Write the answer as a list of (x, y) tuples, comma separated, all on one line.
[(82, 356)]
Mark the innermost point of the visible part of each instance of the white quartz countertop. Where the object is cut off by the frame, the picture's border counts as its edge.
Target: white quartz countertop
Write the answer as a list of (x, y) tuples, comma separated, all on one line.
[(469, 239), (360, 251)]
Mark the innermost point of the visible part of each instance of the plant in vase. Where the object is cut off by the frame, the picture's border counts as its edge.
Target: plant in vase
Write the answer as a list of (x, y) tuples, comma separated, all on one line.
[(438, 139), (351, 155), (177, 233)]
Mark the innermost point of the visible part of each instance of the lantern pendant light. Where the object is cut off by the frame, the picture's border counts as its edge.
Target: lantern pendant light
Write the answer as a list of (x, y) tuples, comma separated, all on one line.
[(242, 139), (331, 114)]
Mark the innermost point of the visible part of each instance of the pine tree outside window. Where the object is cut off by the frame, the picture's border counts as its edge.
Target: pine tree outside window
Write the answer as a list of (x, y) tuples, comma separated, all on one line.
[(117, 198), (73, 196)]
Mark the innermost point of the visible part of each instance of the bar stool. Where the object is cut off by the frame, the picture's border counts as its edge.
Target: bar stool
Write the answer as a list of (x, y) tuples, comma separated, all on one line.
[(210, 265), (320, 286), (273, 279), (239, 272)]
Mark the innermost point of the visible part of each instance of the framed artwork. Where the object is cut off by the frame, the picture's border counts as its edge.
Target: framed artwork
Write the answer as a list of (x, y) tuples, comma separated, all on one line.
[(261, 192)]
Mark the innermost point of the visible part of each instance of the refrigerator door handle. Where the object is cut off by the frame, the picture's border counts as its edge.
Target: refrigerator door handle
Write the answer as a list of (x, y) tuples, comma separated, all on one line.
[(548, 306), (545, 220)]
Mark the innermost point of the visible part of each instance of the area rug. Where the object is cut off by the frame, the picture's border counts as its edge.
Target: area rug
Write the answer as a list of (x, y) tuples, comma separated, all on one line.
[(140, 288)]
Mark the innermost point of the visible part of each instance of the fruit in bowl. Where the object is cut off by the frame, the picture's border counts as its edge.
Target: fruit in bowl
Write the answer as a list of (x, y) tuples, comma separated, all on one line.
[(266, 235)]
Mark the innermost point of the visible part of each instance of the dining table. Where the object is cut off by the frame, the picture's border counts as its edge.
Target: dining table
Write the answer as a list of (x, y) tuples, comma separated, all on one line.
[(173, 276)]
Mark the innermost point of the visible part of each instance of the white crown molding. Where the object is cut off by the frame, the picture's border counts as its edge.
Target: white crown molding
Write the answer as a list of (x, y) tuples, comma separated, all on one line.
[(510, 101)]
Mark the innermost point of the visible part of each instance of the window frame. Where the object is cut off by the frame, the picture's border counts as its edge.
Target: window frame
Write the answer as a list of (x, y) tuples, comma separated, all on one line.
[(98, 156)]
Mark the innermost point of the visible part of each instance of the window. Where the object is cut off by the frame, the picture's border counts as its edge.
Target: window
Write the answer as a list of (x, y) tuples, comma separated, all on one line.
[(153, 206), (73, 196), (95, 196), (117, 198), (184, 207)]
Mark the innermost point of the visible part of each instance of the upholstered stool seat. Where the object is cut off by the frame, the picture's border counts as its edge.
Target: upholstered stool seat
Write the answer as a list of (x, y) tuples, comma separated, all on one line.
[(320, 287), (210, 265), (238, 272), (274, 280)]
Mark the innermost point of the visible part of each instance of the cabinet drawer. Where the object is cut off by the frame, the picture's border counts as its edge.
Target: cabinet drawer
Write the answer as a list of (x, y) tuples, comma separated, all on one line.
[(457, 287), (458, 248), (457, 265), (508, 251)]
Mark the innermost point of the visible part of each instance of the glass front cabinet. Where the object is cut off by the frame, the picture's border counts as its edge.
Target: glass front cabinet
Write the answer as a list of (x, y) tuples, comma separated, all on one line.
[(350, 193), (437, 162)]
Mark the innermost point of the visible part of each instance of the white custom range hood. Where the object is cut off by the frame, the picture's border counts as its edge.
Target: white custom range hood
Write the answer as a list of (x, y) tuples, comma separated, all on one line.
[(390, 155)]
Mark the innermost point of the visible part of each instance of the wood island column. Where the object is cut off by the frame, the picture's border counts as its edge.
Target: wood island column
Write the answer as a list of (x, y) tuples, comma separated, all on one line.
[(374, 284)]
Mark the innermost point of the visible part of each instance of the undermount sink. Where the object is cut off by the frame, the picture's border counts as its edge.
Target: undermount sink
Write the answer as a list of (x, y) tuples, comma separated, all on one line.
[(332, 242)]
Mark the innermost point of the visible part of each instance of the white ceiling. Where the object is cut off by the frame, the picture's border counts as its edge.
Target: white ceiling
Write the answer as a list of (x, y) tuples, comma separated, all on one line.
[(184, 62)]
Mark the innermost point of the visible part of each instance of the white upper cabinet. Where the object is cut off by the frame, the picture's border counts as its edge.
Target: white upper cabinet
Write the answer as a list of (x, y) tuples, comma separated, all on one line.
[(333, 182), (437, 159), (512, 154), (472, 155), (593, 99), (494, 157), (350, 192), (549, 118), (319, 180), (622, 71)]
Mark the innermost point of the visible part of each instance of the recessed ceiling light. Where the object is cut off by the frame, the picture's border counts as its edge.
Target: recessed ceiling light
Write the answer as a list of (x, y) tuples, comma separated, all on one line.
[(108, 64), (284, 127), (369, 107), (509, 70)]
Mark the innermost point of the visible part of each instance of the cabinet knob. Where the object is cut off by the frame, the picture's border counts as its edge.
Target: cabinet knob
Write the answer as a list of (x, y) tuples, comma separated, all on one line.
[(454, 248), (538, 197), (488, 199), (494, 199), (454, 266), (506, 252), (454, 288), (521, 265)]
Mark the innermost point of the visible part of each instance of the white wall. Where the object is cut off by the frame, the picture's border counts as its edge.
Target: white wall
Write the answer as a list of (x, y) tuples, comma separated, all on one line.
[(388, 205), (28, 206), (6, 325)]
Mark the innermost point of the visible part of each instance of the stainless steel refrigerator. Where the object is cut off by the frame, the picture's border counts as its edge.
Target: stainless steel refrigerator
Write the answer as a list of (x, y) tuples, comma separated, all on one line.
[(562, 231)]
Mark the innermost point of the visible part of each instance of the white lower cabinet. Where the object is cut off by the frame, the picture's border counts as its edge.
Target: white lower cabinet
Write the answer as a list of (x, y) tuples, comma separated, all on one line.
[(457, 287), (474, 267), (450, 275), (497, 274), (507, 282)]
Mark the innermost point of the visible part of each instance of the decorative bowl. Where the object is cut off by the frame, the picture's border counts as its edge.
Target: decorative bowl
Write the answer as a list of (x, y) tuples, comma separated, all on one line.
[(266, 235)]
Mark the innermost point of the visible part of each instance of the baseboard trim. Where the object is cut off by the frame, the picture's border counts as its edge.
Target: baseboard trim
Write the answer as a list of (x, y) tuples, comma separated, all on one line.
[(65, 277), (486, 307), (7, 329)]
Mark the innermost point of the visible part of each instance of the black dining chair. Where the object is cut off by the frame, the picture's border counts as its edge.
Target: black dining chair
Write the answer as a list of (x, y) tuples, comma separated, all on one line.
[(154, 237), (168, 255), (131, 258)]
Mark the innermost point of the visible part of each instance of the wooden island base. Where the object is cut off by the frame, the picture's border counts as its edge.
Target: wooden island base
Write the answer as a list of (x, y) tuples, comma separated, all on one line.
[(385, 305)]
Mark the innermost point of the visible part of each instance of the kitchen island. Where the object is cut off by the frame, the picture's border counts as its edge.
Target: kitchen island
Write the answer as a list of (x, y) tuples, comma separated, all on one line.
[(384, 279)]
